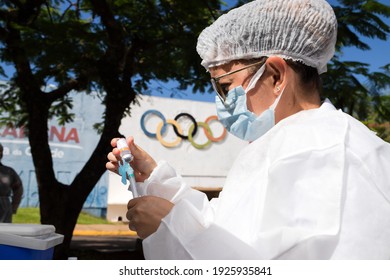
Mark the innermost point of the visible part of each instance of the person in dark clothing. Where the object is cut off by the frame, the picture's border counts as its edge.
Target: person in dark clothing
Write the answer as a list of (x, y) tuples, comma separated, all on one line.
[(11, 191)]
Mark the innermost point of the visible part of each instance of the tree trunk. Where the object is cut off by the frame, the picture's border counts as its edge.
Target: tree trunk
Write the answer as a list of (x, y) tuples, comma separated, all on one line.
[(62, 204)]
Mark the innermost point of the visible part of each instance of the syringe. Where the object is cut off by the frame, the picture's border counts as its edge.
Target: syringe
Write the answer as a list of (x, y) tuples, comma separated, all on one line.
[(132, 186), (124, 167)]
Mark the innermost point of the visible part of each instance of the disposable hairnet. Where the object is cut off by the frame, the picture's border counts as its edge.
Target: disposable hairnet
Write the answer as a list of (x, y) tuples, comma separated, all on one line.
[(301, 30)]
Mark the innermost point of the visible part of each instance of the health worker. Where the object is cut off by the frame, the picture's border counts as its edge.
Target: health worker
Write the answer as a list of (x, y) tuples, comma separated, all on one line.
[(313, 183)]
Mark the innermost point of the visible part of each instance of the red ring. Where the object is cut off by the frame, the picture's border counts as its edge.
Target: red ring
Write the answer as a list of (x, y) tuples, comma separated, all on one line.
[(210, 136)]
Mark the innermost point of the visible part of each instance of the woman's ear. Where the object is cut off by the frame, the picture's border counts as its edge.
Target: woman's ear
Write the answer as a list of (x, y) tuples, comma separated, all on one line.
[(277, 68)]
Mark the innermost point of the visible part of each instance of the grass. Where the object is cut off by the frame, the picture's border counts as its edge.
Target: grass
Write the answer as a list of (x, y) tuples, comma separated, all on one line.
[(32, 216)]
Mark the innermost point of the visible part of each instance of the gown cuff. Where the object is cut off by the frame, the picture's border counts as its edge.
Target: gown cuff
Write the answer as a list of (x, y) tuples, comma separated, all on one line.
[(164, 182)]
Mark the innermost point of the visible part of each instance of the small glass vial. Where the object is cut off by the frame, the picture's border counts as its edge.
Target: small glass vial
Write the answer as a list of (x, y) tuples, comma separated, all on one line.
[(124, 149)]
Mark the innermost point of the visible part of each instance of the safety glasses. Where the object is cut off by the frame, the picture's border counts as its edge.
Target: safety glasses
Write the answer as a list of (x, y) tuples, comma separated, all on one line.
[(220, 90)]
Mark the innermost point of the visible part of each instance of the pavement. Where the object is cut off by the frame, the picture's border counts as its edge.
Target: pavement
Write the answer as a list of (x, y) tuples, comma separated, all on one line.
[(105, 242)]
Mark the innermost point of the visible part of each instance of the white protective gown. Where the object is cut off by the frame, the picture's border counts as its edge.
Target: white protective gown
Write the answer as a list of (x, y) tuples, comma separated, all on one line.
[(316, 186)]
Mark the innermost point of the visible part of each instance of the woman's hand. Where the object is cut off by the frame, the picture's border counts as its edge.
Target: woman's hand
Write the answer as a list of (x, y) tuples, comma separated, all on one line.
[(145, 214), (143, 164)]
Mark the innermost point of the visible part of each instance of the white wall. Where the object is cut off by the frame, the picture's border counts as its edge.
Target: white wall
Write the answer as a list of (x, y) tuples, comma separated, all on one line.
[(199, 167)]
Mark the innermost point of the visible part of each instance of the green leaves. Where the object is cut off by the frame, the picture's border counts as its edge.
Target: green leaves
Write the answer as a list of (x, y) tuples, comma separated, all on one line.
[(351, 85), (12, 113), (60, 109)]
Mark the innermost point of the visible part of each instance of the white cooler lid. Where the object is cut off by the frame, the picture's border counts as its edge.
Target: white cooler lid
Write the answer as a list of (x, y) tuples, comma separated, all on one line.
[(33, 230), (32, 236)]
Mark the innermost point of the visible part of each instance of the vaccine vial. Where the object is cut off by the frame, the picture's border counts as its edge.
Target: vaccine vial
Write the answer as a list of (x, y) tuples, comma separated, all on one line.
[(124, 149)]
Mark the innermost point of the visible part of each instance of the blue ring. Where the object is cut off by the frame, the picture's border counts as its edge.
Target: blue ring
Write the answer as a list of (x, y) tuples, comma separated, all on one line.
[(157, 113)]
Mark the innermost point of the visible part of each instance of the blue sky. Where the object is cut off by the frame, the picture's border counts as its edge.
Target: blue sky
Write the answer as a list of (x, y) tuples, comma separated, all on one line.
[(378, 56)]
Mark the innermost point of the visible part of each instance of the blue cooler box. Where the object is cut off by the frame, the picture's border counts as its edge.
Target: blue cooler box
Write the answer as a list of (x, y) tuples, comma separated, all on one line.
[(28, 241)]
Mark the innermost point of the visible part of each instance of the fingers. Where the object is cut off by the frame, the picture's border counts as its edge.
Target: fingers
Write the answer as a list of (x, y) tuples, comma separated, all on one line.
[(143, 164), (132, 224), (113, 157), (130, 215), (113, 142), (134, 216), (115, 150), (135, 150), (132, 203), (112, 167), (145, 214)]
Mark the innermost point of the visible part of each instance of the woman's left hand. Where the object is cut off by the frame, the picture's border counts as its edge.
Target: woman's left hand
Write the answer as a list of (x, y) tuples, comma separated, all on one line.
[(145, 214)]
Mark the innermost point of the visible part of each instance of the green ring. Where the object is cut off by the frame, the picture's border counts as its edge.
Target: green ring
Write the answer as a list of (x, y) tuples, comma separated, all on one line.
[(205, 126)]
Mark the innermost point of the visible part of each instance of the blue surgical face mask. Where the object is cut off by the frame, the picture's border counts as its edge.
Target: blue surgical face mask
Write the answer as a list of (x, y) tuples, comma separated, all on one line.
[(238, 120)]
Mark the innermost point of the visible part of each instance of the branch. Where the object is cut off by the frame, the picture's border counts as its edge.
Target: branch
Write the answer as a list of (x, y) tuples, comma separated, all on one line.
[(49, 12), (114, 29), (210, 10), (28, 11), (17, 3), (64, 89), (66, 10), (25, 77)]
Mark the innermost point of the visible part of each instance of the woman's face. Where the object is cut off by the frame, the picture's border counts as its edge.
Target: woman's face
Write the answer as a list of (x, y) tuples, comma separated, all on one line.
[(259, 98)]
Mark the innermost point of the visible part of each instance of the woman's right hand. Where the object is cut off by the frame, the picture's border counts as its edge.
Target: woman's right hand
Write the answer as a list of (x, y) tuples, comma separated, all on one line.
[(143, 164)]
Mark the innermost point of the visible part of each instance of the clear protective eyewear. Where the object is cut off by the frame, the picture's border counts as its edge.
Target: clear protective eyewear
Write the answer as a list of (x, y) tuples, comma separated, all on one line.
[(220, 90)]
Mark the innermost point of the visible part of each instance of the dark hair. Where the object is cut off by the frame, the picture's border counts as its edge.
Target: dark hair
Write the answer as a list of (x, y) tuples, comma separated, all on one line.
[(309, 76)]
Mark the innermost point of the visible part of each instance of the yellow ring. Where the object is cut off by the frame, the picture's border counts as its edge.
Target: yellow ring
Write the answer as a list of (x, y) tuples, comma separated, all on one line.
[(206, 128), (160, 138)]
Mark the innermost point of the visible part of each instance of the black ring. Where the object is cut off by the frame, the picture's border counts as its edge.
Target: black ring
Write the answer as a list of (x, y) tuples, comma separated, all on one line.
[(192, 119)]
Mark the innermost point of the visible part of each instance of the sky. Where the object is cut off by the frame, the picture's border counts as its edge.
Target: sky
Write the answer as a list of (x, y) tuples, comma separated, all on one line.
[(378, 56)]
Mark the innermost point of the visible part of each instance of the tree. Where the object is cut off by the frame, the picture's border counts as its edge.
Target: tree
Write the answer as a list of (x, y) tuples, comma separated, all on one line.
[(114, 47), (341, 82)]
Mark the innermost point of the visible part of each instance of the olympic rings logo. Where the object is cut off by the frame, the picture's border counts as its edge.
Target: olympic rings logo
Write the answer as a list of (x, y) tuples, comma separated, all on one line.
[(192, 130)]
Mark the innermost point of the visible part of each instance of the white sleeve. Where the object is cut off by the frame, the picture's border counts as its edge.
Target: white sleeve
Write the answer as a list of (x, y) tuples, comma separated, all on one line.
[(164, 182), (188, 228), (185, 234)]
